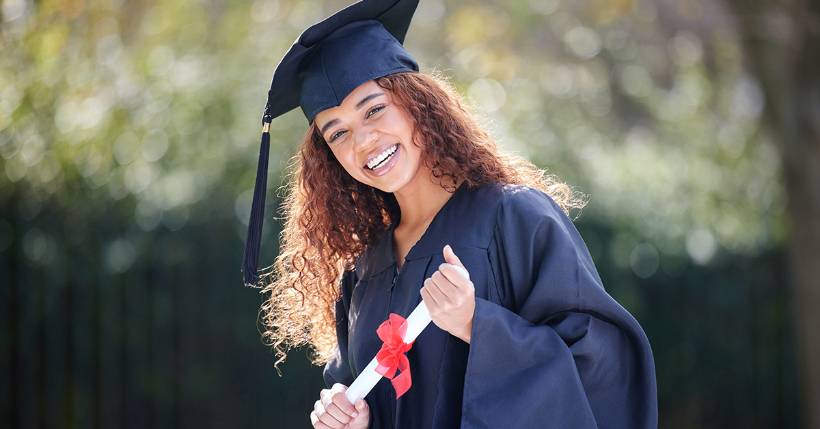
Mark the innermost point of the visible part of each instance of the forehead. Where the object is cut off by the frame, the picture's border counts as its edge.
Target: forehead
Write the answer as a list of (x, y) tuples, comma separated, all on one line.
[(349, 103)]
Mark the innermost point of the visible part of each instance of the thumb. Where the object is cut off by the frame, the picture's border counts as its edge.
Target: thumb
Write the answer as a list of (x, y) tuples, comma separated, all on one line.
[(450, 256)]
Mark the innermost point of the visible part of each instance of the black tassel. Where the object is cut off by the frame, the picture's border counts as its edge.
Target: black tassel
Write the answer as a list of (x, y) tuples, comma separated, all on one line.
[(254, 239)]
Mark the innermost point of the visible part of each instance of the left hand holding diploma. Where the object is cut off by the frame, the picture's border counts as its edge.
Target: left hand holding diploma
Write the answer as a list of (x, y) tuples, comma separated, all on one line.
[(450, 297), (333, 410)]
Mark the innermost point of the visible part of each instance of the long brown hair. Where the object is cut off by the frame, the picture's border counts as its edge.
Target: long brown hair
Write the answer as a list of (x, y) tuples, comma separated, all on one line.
[(330, 218)]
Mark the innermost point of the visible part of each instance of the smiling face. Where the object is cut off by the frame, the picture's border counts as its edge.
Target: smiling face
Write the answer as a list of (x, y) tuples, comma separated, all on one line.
[(372, 137)]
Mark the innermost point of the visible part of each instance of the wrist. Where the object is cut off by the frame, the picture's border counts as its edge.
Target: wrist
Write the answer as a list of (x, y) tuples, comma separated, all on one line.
[(466, 332)]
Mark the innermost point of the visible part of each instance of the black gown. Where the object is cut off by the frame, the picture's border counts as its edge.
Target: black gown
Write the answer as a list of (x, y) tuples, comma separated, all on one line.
[(549, 347)]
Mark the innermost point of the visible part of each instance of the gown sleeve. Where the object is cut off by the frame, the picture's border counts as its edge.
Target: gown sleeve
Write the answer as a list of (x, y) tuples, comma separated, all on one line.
[(556, 349), (337, 369)]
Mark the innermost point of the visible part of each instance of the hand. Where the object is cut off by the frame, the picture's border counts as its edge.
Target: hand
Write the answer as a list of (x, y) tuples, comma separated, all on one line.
[(450, 297), (333, 410)]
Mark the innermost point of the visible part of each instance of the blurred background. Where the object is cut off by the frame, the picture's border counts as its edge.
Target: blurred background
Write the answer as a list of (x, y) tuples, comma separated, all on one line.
[(128, 147)]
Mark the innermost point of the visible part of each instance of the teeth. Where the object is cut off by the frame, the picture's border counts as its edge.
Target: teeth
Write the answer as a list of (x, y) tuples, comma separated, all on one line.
[(382, 156)]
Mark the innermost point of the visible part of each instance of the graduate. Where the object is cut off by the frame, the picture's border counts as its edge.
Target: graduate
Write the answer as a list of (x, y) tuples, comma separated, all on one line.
[(394, 190)]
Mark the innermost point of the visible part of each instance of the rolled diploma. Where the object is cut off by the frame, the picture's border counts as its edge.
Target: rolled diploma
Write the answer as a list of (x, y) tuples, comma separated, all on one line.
[(416, 322)]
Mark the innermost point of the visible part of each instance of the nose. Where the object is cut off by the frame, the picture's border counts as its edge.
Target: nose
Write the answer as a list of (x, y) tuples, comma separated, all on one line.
[(364, 137)]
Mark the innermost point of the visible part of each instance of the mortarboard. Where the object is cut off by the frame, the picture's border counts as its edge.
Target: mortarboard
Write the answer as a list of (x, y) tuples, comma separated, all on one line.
[(326, 62)]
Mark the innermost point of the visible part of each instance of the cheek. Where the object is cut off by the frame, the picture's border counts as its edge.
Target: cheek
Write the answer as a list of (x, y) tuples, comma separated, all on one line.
[(349, 166), (342, 158), (414, 150), (348, 163)]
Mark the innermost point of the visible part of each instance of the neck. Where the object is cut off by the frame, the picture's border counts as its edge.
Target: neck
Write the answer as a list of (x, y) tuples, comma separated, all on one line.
[(420, 200)]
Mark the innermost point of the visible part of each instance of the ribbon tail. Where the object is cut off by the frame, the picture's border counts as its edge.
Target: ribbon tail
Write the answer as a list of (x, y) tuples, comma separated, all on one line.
[(403, 381)]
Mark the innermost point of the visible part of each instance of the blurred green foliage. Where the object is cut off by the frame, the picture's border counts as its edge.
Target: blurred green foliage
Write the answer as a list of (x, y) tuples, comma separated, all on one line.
[(128, 135)]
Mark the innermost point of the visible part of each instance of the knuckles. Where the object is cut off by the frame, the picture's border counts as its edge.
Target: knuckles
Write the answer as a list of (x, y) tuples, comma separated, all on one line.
[(437, 277), (329, 397)]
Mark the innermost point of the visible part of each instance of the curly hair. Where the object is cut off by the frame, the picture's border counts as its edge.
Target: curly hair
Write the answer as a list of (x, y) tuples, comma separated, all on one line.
[(331, 218)]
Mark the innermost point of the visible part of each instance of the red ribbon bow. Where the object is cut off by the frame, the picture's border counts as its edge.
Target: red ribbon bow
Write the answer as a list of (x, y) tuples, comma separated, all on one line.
[(391, 356)]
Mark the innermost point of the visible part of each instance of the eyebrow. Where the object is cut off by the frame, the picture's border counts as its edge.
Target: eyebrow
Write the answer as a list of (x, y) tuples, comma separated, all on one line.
[(358, 106)]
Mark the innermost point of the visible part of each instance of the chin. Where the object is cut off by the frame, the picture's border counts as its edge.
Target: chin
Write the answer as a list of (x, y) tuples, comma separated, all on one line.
[(390, 188), (398, 184)]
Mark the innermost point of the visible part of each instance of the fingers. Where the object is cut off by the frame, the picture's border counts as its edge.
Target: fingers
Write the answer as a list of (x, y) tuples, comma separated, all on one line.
[(450, 286), (453, 294), (338, 418), (314, 420), (456, 275), (431, 302), (323, 419), (332, 410), (453, 268), (363, 420), (434, 293), (324, 396), (339, 398), (341, 409)]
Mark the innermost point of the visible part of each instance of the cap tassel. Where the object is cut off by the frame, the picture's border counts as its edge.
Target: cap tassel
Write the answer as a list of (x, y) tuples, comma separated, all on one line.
[(254, 239)]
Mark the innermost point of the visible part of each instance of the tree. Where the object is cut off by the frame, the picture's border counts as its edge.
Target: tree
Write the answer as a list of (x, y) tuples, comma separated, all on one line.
[(780, 42)]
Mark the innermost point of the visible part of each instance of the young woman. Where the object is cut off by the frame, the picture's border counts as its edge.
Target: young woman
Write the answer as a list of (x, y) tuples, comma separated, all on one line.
[(393, 186)]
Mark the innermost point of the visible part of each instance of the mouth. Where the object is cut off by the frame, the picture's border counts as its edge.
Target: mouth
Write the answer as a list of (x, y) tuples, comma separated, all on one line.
[(382, 158), (385, 165)]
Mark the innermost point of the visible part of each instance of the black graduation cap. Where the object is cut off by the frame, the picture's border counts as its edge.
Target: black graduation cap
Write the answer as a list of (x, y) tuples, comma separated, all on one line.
[(331, 58)]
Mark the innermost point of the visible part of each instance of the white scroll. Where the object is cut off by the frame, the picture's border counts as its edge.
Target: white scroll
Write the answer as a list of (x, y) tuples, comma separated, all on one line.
[(416, 322)]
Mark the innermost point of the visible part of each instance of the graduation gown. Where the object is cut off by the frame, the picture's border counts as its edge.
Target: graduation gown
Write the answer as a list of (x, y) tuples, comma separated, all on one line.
[(549, 347)]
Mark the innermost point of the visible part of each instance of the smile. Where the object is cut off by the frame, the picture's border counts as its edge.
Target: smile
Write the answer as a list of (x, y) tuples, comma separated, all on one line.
[(383, 164), (379, 160)]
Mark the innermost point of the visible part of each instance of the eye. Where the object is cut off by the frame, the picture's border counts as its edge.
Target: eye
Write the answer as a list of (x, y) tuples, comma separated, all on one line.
[(336, 135), (367, 115), (374, 110)]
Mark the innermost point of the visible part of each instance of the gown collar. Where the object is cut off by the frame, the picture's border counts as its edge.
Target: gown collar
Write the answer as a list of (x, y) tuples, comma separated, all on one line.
[(383, 256)]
